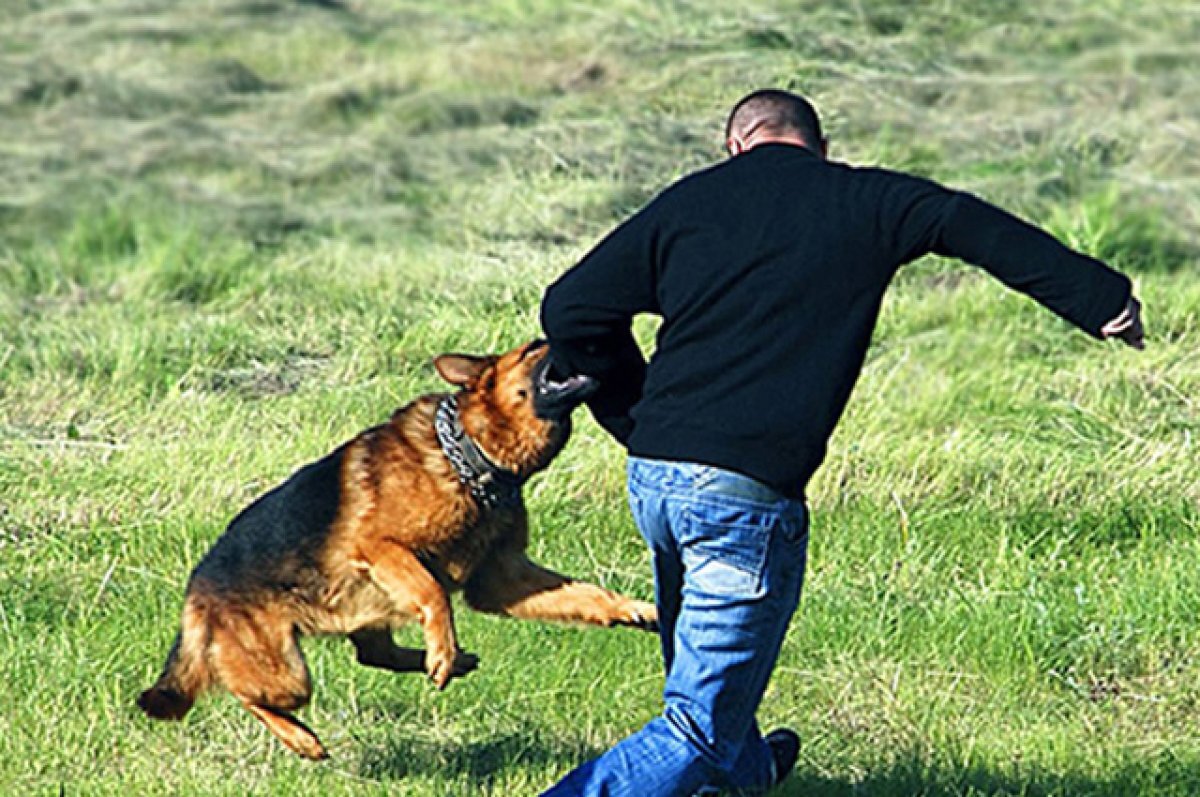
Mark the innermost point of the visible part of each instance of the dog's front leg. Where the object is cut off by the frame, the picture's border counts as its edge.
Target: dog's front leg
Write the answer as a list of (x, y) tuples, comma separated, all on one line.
[(512, 584), (416, 593)]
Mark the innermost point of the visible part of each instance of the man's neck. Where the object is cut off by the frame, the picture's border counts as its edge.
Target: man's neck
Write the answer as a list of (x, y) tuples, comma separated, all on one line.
[(791, 141)]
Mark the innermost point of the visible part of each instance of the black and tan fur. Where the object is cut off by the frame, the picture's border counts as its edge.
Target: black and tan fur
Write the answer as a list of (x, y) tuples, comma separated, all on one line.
[(378, 533)]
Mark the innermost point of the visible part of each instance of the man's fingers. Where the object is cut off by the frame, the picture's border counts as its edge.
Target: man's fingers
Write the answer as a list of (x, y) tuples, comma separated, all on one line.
[(1127, 326), (1119, 324)]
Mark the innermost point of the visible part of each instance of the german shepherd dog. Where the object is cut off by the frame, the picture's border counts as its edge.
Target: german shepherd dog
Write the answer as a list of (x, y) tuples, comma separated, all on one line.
[(381, 532)]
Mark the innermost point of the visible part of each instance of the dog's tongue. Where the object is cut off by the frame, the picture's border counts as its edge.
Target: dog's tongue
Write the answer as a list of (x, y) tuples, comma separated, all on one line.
[(553, 398)]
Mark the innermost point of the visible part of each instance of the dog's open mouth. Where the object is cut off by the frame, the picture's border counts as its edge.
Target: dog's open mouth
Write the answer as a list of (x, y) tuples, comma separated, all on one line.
[(554, 399)]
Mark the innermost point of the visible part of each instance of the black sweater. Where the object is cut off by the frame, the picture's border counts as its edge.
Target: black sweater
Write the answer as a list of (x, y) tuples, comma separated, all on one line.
[(768, 271)]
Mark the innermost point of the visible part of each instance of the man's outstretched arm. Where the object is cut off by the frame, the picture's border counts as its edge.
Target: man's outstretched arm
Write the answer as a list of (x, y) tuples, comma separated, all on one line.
[(1077, 287)]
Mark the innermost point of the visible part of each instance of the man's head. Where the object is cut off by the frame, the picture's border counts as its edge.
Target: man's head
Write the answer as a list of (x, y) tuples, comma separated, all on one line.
[(773, 116)]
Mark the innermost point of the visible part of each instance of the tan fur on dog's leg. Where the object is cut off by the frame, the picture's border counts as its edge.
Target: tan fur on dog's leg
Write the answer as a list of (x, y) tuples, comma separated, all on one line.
[(416, 593), (511, 584), (291, 731), (255, 655)]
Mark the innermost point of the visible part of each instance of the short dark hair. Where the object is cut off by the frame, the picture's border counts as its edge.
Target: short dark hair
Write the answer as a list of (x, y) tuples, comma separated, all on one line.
[(777, 111)]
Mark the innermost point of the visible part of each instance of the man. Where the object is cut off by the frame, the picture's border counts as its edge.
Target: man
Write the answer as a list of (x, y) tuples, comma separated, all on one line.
[(768, 271)]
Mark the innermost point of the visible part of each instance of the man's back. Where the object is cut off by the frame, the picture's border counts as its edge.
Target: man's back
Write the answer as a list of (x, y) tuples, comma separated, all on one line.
[(769, 270)]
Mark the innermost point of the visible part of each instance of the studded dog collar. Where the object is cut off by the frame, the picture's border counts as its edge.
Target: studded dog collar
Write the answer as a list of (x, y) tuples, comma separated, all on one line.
[(490, 485)]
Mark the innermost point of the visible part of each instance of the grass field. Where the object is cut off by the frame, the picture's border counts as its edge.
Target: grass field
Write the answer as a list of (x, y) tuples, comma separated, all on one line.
[(235, 232)]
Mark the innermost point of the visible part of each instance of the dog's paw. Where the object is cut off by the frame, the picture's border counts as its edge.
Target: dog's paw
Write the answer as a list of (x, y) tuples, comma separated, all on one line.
[(312, 749), (464, 663), (642, 615), (440, 666), (444, 666)]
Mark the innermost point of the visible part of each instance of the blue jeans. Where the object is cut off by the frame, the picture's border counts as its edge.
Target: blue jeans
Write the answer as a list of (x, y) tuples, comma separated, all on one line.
[(729, 557)]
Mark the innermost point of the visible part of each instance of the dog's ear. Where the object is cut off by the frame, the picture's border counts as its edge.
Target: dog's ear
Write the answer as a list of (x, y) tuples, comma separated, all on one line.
[(461, 369)]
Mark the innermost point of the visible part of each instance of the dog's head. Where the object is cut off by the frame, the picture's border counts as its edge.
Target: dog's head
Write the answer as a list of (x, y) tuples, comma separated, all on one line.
[(510, 408)]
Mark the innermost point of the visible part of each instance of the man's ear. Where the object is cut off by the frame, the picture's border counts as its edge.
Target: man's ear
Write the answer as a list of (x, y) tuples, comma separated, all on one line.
[(461, 369)]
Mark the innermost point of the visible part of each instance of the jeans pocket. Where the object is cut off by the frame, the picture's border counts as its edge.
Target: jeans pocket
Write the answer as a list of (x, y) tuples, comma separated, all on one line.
[(725, 557)]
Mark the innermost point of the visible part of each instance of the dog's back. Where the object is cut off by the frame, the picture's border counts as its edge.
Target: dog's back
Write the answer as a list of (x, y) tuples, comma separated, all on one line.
[(275, 543)]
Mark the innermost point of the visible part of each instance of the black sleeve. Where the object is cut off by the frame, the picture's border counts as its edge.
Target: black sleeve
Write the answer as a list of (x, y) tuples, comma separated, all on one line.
[(1079, 288), (587, 316)]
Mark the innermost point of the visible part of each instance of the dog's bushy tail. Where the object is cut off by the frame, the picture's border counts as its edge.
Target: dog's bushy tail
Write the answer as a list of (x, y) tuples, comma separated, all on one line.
[(184, 676)]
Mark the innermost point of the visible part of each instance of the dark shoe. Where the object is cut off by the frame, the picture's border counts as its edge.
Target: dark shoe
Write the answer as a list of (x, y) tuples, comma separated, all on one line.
[(785, 748)]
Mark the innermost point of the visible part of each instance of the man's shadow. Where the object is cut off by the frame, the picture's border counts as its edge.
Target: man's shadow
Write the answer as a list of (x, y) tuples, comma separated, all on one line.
[(1167, 775)]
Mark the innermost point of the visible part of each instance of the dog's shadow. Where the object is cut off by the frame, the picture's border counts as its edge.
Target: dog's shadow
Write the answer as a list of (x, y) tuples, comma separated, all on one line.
[(477, 762)]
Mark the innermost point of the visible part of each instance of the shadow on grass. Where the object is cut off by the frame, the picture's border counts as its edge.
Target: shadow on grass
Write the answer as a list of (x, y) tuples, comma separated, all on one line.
[(478, 761), (1166, 776)]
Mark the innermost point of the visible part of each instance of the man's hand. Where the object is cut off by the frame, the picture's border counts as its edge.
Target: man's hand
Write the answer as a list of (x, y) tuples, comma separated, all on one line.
[(1127, 326), (553, 399)]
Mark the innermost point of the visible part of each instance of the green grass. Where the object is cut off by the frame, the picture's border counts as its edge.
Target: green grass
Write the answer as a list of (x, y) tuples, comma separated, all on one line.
[(235, 232)]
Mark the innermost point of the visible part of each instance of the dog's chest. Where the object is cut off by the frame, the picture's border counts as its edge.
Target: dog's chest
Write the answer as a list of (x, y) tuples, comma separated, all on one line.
[(458, 558), (348, 603)]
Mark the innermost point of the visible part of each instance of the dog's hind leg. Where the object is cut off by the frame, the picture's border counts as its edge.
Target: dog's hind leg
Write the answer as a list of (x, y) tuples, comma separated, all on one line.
[(292, 732), (375, 648), (513, 585), (256, 656)]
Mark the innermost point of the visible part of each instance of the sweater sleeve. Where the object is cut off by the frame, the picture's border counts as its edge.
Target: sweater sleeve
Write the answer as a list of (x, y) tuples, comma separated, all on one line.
[(1078, 288), (587, 315)]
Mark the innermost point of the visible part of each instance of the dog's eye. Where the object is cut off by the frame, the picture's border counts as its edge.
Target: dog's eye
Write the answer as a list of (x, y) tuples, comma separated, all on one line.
[(523, 393)]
